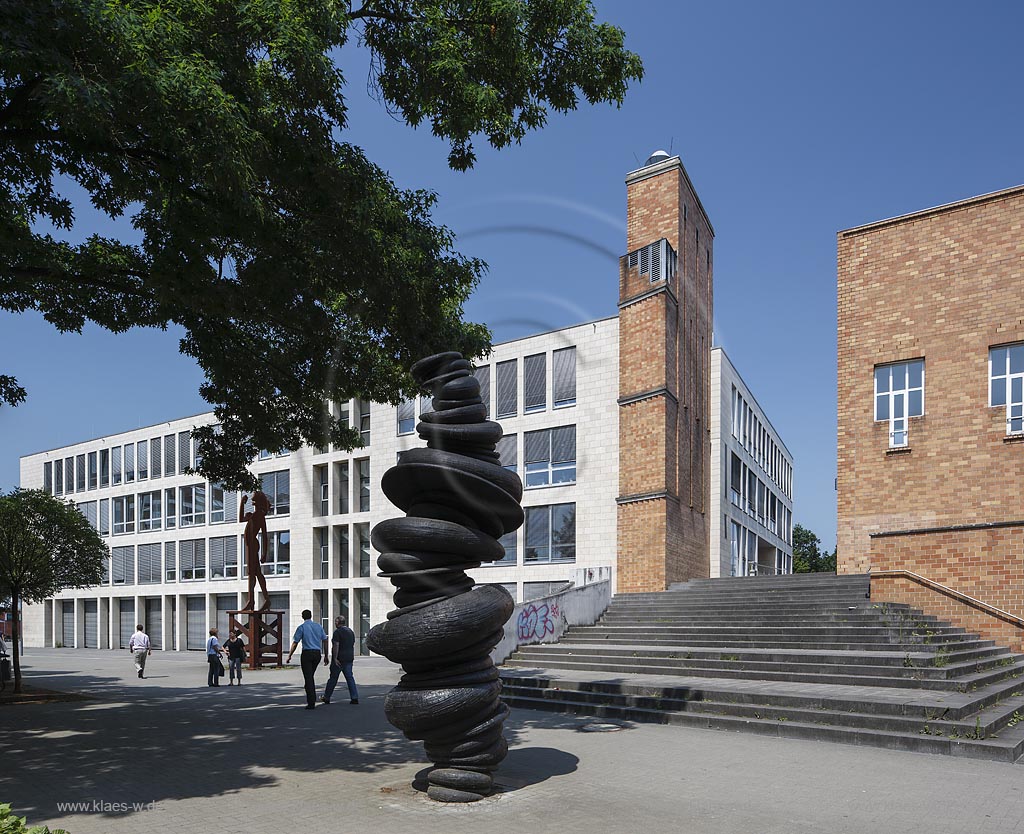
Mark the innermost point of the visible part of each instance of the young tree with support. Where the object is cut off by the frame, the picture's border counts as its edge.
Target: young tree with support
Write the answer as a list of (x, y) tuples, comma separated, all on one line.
[(46, 545)]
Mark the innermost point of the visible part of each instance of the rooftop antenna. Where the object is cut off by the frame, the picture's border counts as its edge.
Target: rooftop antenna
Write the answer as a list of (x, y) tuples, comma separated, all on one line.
[(638, 165), (671, 142)]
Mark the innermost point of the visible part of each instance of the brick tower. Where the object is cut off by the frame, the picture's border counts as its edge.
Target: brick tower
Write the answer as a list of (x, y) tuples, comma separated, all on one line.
[(665, 315)]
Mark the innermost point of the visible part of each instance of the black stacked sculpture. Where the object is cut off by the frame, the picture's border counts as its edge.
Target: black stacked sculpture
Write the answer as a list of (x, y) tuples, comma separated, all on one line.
[(459, 502)]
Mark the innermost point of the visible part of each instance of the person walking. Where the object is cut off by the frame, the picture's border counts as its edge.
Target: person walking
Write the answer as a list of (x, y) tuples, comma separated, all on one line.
[(140, 649), (236, 655), (343, 643), (313, 638), (214, 650)]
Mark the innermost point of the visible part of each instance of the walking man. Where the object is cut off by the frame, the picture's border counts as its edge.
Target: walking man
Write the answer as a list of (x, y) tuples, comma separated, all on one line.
[(314, 646), (343, 643), (140, 648)]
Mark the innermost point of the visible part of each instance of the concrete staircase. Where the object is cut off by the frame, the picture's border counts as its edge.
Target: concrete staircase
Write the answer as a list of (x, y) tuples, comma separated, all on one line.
[(807, 656)]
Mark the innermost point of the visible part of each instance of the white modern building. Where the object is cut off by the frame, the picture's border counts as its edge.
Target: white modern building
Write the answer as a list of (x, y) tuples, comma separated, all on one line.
[(751, 481), (580, 408)]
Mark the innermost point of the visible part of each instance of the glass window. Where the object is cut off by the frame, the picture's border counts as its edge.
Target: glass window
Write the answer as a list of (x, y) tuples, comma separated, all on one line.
[(323, 490), (170, 562), (363, 536), (69, 475), (407, 416), (217, 504), (115, 465), (48, 477), (899, 395), (483, 376), (507, 389), (549, 456), (155, 457), (129, 462), (170, 514), (104, 527), (276, 485), (343, 488), (535, 383), (344, 553), (510, 542), (279, 560), (551, 533), (192, 505), (508, 453), (192, 559), (142, 455), (104, 467), (735, 479), (1006, 384), (80, 473), (325, 553), (58, 477), (563, 377), (364, 485), (224, 557), (364, 422), (124, 514), (170, 464), (93, 467), (122, 565), (149, 511)]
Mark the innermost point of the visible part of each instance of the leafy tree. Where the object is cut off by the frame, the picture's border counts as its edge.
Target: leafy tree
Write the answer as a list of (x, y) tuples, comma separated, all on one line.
[(46, 545), (298, 270), (808, 557)]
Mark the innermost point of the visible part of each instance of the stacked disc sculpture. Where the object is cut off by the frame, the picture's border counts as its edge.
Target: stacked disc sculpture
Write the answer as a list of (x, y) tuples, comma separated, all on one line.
[(458, 502)]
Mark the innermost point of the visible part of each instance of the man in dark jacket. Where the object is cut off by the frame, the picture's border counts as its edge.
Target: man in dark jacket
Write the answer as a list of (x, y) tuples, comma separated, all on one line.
[(343, 643)]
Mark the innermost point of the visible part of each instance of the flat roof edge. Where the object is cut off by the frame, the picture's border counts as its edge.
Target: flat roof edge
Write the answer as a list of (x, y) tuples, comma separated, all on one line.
[(941, 209)]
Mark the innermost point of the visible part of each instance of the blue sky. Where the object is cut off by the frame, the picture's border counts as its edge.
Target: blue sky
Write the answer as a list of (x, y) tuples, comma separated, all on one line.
[(794, 120)]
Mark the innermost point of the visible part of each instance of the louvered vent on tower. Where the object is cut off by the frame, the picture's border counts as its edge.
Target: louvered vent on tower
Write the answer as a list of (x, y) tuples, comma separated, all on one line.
[(656, 260)]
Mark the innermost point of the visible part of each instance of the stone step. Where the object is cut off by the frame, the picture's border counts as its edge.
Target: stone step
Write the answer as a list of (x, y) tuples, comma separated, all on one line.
[(649, 638), (654, 666), (918, 667), (739, 608), (801, 618), (725, 598), (914, 658), (819, 630), (981, 725), (1007, 747)]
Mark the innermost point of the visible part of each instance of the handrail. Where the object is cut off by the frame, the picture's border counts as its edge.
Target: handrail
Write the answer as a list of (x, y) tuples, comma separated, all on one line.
[(1013, 619)]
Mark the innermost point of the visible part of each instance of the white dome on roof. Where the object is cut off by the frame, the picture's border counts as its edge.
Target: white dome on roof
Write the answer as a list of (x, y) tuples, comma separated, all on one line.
[(657, 156)]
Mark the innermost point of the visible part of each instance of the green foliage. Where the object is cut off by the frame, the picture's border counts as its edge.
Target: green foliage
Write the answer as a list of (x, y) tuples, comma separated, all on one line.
[(10, 824), (46, 545), (297, 268), (808, 557)]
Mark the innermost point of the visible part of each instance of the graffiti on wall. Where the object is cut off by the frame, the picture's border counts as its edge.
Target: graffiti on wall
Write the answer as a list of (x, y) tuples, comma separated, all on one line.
[(536, 622)]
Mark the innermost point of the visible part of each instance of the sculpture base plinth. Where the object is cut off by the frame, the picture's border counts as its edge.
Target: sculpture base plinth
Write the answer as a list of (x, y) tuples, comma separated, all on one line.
[(264, 637)]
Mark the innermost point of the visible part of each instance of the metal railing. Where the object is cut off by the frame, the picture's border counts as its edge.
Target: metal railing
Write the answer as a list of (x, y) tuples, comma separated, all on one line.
[(945, 590)]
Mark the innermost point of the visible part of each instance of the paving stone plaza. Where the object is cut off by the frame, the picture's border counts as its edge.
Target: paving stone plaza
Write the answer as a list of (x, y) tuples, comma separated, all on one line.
[(250, 759)]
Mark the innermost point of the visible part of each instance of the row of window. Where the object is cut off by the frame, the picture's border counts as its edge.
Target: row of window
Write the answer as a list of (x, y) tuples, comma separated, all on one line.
[(343, 486), (757, 499), (899, 391), (185, 506), (191, 560), (749, 559), (343, 558), (754, 436)]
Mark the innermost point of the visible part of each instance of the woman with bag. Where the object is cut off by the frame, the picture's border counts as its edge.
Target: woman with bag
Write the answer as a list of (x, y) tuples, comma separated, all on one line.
[(236, 655), (213, 654)]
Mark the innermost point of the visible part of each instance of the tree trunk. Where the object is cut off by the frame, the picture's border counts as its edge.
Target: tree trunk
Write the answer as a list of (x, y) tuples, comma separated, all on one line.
[(15, 637)]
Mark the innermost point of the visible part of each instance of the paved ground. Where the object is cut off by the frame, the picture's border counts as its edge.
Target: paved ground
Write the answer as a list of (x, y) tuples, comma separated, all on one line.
[(251, 760)]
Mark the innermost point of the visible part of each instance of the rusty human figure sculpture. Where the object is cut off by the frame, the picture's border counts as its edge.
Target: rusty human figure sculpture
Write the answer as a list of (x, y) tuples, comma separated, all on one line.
[(459, 502), (255, 523)]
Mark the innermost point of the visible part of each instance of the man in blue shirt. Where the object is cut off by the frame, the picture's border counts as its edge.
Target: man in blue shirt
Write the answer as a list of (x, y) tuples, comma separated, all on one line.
[(314, 647)]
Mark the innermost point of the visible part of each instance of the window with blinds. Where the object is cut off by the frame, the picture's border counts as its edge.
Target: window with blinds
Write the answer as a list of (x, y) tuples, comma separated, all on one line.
[(507, 451), (104, 468), (224, 557), (535, 383), (407, 416), (507, 389), (184, 450), (80, 473), (192, 559), (363, 538), (48, 477), (549, 456), (69, 475), (104, 521), (129, 463), (170, 512), (170, 467), (279, 559), (192, 505), (142, 460), (122, 565), (155, 457), (93, 471), (364, 484), (483, 376), (150, 515), (550, 534), (115, 465), (58, 477), (89, 510), (150, 567), (170, 562), (563, 377), (124, 514)]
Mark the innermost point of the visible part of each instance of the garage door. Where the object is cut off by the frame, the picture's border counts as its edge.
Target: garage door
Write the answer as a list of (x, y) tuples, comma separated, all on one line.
[(92, 624), (126, 613), (154, 621), (195, 625), (68, 623)]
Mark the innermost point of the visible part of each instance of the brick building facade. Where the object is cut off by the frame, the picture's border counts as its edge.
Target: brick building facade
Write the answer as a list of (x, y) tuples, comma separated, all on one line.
[(930, 377)]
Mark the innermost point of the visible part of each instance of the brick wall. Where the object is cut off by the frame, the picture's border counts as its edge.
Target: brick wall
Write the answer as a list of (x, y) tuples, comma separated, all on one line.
[(944, 285), (987, 564), (664, 348)]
